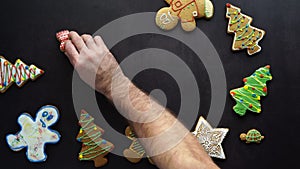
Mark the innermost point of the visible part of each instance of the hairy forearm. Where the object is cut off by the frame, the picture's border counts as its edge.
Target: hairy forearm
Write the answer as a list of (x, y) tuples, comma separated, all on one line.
[(169, 143), (173, 146), (165, 139)]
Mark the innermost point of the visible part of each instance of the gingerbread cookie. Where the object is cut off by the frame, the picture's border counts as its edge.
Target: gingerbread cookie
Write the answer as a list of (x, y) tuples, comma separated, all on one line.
[(245, 35), (35, 134), (93, 146), (248, 97), (135, 152), (252, 136), (62, 37), (18, 73), (210, 138), (184, 10)]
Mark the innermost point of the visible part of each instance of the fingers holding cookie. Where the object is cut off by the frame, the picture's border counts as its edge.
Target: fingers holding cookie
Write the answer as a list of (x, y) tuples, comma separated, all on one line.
[(99, 41), (101, 46), (71, 52), (77, 41), (89, 41)]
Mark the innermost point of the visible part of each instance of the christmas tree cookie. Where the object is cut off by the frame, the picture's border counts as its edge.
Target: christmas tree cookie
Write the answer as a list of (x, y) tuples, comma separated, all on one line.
[(135, 152), (18, 73), (184, 10), (245, 35), (248, 97), (94, 148)]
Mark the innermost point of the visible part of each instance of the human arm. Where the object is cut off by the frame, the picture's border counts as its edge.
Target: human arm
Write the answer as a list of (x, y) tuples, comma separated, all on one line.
[(170, 144)]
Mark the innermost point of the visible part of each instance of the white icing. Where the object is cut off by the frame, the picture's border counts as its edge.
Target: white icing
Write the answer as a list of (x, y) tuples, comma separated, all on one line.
[(35, 134), (210, 138), (195, 13), (209, 9)]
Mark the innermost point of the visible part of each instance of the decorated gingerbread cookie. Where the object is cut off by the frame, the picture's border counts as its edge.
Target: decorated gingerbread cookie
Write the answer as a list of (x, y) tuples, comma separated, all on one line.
[(184, 10), (135, 152), (94, 147), (252, 136), (35, 134), (62, 37), (18, 73), (245, 35), (248, 97), (210, 138)]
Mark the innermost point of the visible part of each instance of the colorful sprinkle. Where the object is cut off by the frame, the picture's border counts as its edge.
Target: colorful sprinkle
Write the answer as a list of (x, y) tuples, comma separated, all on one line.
[(248, 96), (265, 89)]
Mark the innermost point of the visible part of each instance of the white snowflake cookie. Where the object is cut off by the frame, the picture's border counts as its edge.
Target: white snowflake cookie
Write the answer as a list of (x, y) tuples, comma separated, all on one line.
[(210, 138)]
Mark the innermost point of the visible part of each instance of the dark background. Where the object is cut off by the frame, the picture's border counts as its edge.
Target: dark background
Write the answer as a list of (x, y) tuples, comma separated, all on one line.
[(28, 30)]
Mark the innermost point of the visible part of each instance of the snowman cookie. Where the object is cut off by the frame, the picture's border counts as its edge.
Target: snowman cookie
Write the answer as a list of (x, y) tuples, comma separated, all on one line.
[(35, 134)]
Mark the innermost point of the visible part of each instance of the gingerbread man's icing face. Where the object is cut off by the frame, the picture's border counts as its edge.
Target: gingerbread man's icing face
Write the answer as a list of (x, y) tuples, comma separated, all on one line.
[(47, 116), (184, 10)]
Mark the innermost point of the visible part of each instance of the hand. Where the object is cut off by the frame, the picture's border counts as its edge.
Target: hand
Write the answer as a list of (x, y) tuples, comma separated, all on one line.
[(97, 67), (92, 60)]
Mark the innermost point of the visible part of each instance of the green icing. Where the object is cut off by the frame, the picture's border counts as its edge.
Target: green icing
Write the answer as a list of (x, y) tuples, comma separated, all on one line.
[(136, 146), (248, 97), (91, 137), (254, 136)]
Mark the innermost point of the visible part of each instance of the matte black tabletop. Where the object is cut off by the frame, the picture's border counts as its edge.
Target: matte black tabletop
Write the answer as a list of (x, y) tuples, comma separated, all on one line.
[(28, 30)]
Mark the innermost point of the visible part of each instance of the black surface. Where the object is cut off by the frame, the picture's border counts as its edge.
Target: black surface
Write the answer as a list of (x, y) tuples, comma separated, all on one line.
[(28, 32)]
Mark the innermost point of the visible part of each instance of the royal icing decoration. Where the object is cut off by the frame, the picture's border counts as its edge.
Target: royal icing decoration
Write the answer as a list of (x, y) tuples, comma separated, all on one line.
[(93, 146), (248, 97), (210, 138), (18, 73), (35, 134), (62, 37), (135, 152), (184, 10), (246, 36)]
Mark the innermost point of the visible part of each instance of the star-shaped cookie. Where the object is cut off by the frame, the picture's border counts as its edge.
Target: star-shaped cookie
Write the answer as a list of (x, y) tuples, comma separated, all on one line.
[(210, 138)]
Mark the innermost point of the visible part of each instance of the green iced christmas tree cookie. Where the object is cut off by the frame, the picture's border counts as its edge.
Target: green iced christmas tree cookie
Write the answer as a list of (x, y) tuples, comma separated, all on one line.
[(248, 97)]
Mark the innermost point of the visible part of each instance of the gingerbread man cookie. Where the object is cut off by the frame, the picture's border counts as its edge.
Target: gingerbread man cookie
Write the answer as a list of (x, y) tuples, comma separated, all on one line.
[(184, 10), (18, 73), (35, 134)]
